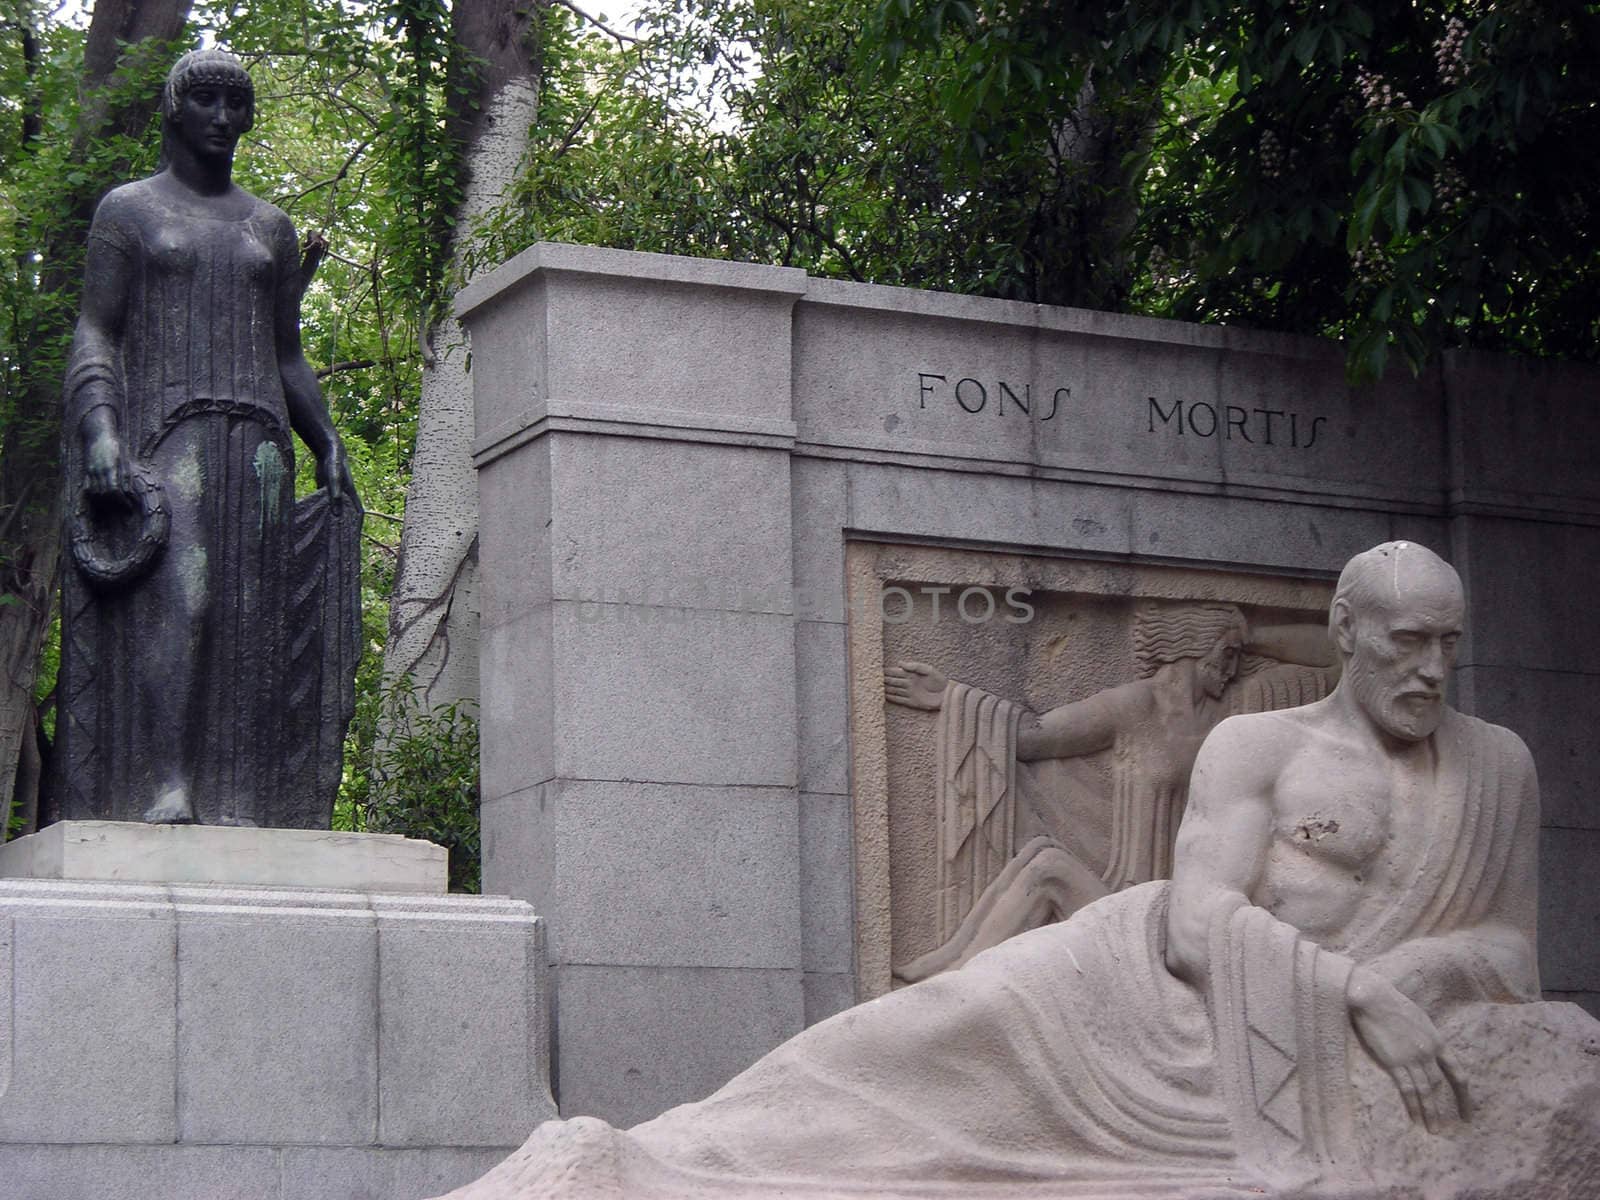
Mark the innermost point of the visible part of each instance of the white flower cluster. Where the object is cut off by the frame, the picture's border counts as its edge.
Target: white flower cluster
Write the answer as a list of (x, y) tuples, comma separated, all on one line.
[(1369, 264), (1450, 52), (1271, 155), (1377, 93), (1448, 188)]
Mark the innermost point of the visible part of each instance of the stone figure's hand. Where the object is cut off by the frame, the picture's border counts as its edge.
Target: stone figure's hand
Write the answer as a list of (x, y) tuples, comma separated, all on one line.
[(916, 685), (1406, 1044), (105, 465), (333, 472)]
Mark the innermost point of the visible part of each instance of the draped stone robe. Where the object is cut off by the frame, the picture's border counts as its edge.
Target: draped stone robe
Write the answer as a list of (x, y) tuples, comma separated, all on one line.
[(1068, 1062)]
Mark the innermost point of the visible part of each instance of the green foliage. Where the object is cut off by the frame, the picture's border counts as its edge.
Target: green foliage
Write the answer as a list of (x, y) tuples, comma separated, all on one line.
[(422, 783), (754, 131), (1410, 177), (422, 159), (50, 175)]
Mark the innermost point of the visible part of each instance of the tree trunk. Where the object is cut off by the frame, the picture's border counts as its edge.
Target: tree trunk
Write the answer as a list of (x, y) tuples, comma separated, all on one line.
[(122, 36), (433, 622)]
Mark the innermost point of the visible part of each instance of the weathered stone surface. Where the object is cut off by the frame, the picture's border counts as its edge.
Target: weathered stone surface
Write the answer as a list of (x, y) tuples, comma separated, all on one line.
[(709, 875), (1561, 712), (1569, 910), (516, 708), (645, 521), (87, 1010), (300, 1069), (374, 1174), (825, 871), (139, 853), (621, 1028), (43, 1172), (820, 680), (827, 994), (447, 1081), (703, 696), (1334, 997), (641, 390), (175, 1041), (821, 505)]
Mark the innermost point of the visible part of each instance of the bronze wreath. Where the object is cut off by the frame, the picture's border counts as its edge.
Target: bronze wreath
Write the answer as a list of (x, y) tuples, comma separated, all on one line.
[(102, 570)]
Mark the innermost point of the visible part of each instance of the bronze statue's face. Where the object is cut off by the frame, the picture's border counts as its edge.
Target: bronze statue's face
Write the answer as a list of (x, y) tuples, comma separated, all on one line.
[(1402, 649), (212, 117), (1221, 664)]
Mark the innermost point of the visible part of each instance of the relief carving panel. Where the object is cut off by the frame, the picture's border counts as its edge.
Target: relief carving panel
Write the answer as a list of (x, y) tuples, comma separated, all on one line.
[(1023, 728)]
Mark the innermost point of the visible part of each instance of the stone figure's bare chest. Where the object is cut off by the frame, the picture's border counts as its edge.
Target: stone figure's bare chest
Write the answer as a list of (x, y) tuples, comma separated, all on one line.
[(1336, 809)]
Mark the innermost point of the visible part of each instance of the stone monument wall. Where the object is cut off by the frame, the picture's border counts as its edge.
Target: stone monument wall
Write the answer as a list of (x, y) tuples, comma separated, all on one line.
[(696, 480)]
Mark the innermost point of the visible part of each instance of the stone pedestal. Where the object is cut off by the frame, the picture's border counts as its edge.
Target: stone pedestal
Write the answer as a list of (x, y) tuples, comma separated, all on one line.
[(126, 852), (199, 1042)]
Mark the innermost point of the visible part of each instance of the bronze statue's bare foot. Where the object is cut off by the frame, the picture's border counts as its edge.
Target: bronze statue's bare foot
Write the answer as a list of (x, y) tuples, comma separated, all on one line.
[(172, 807)]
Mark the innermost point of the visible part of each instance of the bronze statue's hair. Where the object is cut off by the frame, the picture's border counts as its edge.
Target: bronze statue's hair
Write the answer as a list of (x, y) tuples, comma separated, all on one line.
[(215, 67), (1163, 635), (1372, 577)]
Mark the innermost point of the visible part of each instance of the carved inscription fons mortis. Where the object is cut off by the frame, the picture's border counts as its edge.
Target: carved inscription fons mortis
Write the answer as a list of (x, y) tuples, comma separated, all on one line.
[(1287, 428)]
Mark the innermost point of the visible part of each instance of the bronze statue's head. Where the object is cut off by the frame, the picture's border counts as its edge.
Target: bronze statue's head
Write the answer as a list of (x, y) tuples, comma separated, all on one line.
[(1396, 617), (214, 69)]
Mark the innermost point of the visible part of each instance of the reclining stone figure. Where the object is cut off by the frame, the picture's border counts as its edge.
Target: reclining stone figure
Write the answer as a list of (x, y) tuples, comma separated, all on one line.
[(1335, 996)]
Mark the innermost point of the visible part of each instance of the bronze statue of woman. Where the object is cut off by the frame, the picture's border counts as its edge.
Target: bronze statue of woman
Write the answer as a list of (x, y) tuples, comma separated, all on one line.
[(210, 624)]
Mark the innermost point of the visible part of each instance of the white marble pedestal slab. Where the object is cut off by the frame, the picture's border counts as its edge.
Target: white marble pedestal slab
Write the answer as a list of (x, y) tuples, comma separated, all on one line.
[(132, 852), (205, 1042)]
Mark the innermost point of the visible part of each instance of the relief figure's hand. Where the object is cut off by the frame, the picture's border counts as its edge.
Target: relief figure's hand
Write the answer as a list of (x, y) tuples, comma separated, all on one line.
[(1405, 1042), (915, 685)]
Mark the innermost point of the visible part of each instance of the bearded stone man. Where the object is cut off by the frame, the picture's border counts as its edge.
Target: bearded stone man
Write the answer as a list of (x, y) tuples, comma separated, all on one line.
[(1336, 995)]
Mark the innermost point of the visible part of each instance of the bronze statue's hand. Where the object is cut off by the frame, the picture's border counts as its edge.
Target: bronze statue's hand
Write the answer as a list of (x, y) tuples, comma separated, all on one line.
[(916, 685), (105, 465), (333, 472), (1406, 1044)]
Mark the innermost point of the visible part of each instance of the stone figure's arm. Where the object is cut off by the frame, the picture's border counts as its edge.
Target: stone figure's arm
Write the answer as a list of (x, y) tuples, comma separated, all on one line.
[(1225, 836), (308, 413), (94, 399), (1301, 645), (1081, 727), (1495, 957)]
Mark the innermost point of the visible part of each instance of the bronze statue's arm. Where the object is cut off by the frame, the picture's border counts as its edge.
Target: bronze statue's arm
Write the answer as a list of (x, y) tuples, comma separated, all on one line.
[(1225, 836), (1301, 645), (308, 413), (1082, 727), (94, 389)]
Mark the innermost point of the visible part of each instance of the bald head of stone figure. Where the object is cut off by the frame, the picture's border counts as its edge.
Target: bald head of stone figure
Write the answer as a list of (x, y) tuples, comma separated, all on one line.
[(1396, 617)]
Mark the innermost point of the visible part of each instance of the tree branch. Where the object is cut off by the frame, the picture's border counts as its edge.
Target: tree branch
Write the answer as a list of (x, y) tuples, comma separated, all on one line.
[(349, 364), (621, 38)]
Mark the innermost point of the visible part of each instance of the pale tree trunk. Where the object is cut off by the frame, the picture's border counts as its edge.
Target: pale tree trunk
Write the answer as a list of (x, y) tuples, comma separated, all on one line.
[(433, 622), (121, 33)]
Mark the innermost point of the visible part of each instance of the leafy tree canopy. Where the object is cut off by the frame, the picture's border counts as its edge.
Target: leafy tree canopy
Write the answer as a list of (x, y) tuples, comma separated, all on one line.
[(1408, 177)]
